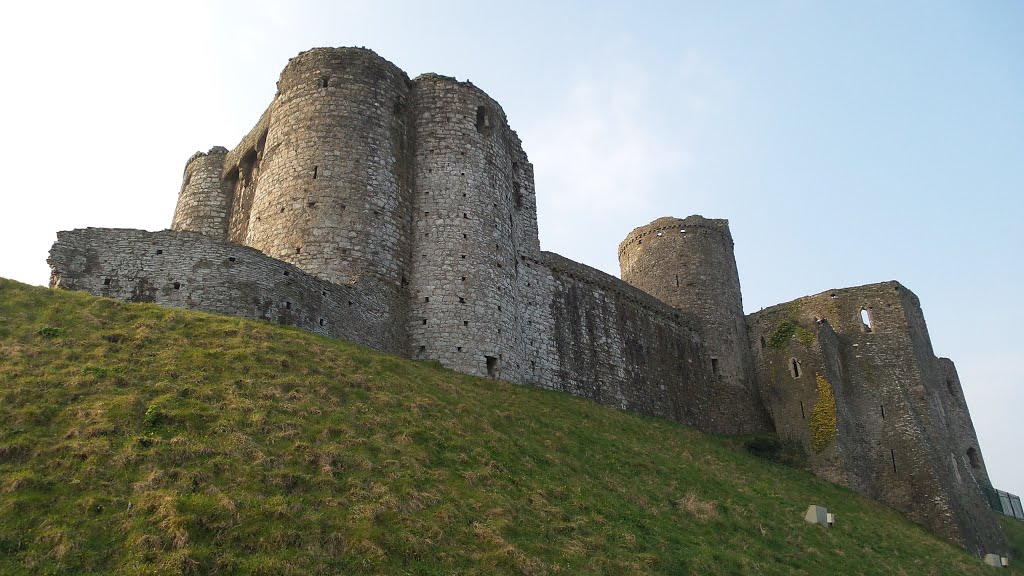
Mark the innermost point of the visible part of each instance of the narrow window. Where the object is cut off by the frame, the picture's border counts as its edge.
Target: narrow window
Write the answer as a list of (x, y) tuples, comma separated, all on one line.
[(177, 285), (794, 367), (893, 454), (714, 366), (424, 321), (462, 300), (315, 170), (288, 305), (481, 118), (298, 249), (882, 406), (865, 320), (764, 343), (802, 415), (492, 366), (677, 280), (426, 298), (459, 349), (323, 82), (321, 321)]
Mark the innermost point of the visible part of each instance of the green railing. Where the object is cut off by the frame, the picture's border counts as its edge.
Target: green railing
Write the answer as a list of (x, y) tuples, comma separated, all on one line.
[(1004, 502)]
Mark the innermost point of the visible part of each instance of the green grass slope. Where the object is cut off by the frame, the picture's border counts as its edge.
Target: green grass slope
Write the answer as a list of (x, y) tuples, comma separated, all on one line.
[(142, 440)]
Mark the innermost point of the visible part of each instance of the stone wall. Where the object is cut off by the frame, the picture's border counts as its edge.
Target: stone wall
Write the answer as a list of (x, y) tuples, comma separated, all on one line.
[(196, 272), (689, 264), (469, 213), (333, 190), (901, 432), (204, 202), (592, 335)]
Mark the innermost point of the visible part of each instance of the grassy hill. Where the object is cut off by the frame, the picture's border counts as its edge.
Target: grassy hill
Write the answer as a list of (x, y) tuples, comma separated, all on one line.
[(141, 440)]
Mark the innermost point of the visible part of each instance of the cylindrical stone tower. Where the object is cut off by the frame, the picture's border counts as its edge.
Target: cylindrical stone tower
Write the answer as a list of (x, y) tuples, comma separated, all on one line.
[(204, 203), (689, 264), (334, 189), (473, 211)]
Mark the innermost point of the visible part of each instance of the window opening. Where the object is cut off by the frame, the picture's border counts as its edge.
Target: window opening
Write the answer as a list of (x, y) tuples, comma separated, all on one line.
[(865, 319), (794, 367), (714, 366), (802, 415), (315, 170), (972, 456), (492, 366), (677, 280), (323, 82), (893, 454), (882, 406), (482, 121)]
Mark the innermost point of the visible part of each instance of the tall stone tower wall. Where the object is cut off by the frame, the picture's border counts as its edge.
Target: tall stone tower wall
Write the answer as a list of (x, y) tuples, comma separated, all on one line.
[(333, 190), (204, 202), (899, 425), (689, 264), (474, 212)]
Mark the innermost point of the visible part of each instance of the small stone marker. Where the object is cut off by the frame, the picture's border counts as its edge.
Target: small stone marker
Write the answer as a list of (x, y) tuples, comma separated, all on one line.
[(817, 515), (993, 560)]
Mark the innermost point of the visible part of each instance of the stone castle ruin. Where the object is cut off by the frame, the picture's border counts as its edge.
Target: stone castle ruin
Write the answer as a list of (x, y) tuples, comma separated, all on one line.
[(401, 214)]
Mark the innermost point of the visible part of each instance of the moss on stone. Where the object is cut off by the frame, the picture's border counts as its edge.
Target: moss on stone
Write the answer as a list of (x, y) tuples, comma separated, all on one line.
[(786, 331), (822, 423)]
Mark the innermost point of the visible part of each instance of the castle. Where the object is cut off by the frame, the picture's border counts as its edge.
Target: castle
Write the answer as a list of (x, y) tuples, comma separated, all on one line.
[(401, 214)]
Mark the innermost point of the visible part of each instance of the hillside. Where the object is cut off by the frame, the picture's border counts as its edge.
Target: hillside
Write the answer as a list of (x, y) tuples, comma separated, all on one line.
[(142, 440)]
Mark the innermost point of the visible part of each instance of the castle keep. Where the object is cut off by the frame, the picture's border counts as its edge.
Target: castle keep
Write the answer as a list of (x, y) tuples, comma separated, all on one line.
[(402, 214)]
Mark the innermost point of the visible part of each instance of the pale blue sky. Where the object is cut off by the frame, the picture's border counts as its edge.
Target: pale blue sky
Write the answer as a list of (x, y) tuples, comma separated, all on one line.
[(847, 143)]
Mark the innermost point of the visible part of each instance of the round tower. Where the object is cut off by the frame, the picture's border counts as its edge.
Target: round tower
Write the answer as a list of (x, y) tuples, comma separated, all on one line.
[(204, 202), (333, 195), (689, 264), (473, 212)]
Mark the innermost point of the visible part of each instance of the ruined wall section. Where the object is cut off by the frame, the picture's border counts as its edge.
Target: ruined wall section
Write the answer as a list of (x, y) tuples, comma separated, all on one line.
[(591, 335), (204, 201), (334, 182), (197, 272), (799, 367), (689, 264), (474, 213), (897, 446), (241, 177)]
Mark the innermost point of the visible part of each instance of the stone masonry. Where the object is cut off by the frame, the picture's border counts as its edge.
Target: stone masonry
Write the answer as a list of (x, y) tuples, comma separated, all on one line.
[(401, 214)]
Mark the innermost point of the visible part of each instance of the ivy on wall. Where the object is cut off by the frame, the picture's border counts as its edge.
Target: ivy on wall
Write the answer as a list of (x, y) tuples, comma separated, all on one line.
[(823, 422)]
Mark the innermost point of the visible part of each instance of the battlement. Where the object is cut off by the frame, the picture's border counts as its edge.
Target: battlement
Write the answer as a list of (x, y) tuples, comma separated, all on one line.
[(694, 224)]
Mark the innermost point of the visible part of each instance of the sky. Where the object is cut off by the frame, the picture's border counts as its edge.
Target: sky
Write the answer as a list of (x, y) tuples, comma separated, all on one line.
[(846, 143)]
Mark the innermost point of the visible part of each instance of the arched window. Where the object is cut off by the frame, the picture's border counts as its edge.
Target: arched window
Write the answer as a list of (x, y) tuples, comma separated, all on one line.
[(865, 320)]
